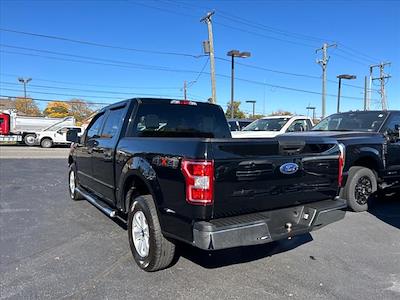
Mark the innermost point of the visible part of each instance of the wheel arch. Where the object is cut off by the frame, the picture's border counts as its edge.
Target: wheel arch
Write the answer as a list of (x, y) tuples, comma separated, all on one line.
[(140, 175)]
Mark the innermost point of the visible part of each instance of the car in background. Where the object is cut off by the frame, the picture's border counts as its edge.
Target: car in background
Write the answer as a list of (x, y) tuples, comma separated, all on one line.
[(372, 151), (238, 124), (55, 135), (269, 127)]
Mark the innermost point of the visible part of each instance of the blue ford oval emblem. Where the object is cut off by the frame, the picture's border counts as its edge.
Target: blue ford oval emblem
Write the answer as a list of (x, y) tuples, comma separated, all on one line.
[(289, 168)]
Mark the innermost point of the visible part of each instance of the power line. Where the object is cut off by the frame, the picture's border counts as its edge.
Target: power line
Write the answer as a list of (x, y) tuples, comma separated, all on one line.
[(148, 67), (75, 89), (89, 96), (164, 69), (65, 39), (95, 85), (260, 26)]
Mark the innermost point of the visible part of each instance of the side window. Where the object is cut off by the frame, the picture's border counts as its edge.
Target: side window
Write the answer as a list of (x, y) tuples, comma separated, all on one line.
[(113, 123), (94, 128), (298, 125), (395, 120)]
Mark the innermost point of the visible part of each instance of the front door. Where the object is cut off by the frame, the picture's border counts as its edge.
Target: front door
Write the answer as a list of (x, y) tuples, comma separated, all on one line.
[(104, 153), (84, 151)]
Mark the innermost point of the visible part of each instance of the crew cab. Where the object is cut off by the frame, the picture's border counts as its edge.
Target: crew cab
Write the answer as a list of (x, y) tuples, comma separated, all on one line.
[(269, 127), (372, 141), (171, 170)]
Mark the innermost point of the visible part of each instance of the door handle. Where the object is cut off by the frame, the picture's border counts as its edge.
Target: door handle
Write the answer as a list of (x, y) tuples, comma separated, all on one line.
[(107, 155)]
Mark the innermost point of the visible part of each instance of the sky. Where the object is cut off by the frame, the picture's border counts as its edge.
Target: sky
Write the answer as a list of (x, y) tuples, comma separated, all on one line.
[(149, 48)]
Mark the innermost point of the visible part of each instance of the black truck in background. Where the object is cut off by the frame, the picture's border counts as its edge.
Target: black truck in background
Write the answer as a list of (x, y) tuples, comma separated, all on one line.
[(171, 170), (372, 157)]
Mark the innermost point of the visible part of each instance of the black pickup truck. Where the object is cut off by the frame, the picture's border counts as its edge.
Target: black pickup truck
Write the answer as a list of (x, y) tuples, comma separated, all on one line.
[(171, 170), (372, 143)]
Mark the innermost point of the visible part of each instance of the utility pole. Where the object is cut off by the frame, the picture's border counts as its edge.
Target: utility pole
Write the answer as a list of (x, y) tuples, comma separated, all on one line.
[(382, 77), (207, 19), (323, 63), (184, 90)]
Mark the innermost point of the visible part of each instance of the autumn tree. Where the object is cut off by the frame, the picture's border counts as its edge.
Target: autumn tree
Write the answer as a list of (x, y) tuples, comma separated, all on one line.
[(57, 109), (27, 106), (237, 113), (79, 109)]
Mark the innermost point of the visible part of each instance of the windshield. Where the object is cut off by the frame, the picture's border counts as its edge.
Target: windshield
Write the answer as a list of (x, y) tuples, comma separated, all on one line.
[(274, 124), (352, 121)]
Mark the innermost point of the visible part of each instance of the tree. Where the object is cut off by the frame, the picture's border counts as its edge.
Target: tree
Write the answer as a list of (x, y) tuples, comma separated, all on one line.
[(281, 112), (27, 106), (57, 109), (79, 109), (237, 113)]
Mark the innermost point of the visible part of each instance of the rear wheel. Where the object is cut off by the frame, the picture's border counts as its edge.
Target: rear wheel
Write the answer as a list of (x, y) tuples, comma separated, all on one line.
[(46, 143), (150, 249), (360, 188), (29, 140)]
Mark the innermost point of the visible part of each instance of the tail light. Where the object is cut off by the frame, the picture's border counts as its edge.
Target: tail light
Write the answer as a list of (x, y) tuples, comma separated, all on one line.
[(341, 163), (199, 178)]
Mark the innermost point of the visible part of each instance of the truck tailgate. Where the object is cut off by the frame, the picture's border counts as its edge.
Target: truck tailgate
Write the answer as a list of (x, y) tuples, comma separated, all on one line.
[(260, 175)]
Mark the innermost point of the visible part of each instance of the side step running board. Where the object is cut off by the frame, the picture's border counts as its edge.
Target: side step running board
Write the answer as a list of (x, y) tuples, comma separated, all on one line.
[(98, 203)]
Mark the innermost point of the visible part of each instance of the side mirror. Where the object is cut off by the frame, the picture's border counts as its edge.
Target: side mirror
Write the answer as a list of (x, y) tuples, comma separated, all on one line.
[(72, 136)]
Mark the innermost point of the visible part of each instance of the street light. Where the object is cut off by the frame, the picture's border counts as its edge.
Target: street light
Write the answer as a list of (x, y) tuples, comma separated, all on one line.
[(24, 81), (343, 76), (233, 54), (313, 111), (254, 104)]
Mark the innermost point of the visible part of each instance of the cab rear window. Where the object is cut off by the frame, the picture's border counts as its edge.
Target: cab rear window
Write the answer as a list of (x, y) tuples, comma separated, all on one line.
[(176, 120)]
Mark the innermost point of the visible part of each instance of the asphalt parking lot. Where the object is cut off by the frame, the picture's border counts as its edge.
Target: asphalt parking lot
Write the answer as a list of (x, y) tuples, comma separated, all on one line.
[(52, 247)]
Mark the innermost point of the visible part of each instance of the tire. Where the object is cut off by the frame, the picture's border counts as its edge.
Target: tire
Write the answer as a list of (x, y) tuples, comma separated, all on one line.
[(73, 183), (29, 140), (46, 143), (360, 188), (150, 249)]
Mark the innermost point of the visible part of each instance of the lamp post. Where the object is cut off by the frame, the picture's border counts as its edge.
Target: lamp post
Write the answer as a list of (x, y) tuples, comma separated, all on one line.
[(343, 76), (233, 54), (254, 104), (24, 81), (313, 111)]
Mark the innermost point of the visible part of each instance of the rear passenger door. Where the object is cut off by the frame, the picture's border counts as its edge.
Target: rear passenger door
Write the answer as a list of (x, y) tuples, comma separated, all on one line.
[(103, 157), (393, 158)]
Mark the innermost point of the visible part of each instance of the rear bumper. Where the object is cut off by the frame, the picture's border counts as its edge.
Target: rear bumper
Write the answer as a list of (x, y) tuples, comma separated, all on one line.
[(268, 226)]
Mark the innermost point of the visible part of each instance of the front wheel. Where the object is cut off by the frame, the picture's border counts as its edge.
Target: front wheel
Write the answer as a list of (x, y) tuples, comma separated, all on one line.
[(150, 249), (46, 143), (360, 188), (72, 184)]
